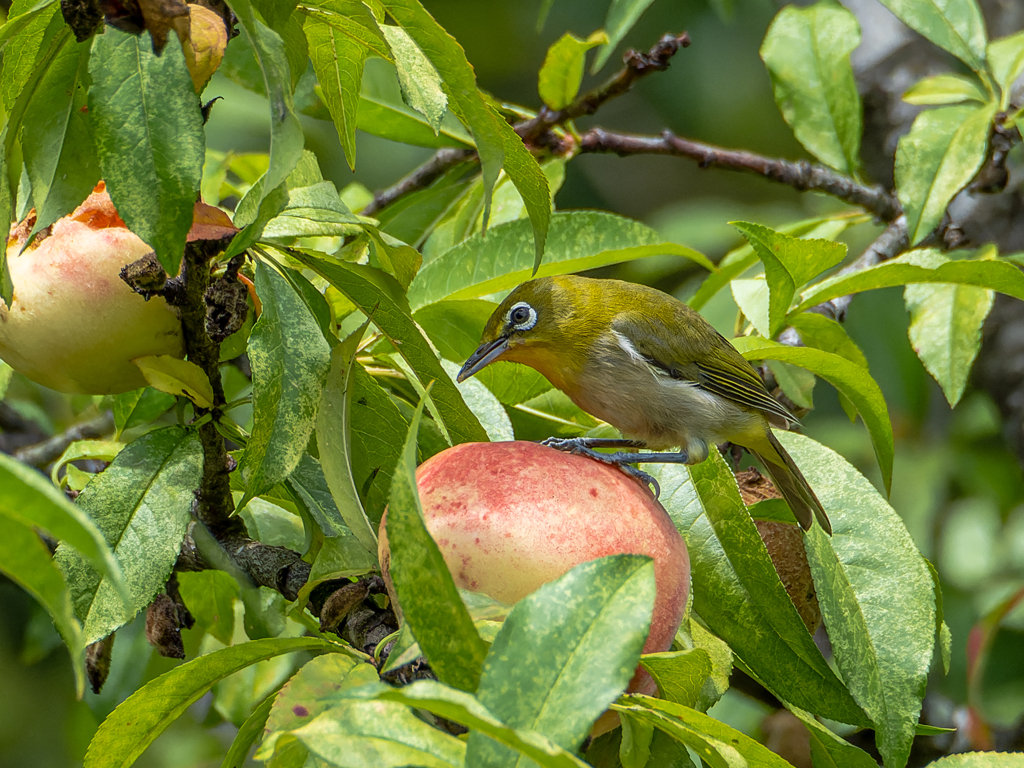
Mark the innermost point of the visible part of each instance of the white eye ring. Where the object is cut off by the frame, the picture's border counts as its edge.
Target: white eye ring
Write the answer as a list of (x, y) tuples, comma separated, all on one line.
[(521, 324)]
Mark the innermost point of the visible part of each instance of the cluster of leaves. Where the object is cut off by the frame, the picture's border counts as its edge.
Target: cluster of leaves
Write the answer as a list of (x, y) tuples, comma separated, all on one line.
[(363, 322)]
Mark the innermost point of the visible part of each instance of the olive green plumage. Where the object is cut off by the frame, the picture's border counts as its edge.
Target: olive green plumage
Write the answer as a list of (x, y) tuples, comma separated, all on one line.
[(648, 365)]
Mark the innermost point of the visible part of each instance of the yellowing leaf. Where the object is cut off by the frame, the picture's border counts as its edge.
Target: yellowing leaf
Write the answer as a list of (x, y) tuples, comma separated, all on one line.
[(177, 377)]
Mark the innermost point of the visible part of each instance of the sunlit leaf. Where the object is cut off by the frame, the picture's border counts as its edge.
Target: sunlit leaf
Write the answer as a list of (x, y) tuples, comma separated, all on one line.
[(955, 25), (942, 152), (807, 53), (561, 74), (945, 89)]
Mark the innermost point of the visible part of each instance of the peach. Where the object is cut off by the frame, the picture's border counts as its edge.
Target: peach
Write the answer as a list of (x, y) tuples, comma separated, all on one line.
[(509, 517), (73, 324)]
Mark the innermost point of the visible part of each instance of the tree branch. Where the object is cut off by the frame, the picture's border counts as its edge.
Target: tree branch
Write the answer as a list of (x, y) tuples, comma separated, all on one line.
[(420, 178), (41, 454), (637, 65), (800, 174)]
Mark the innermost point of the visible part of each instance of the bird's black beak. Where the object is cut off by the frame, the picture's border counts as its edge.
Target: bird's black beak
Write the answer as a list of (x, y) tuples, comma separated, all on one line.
[(485, 355)]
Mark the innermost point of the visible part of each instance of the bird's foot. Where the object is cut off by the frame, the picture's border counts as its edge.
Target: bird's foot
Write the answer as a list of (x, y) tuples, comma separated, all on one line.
[(580, 446)]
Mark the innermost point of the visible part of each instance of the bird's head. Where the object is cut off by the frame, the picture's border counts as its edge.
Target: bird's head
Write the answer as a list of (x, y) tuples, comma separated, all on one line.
[(533, 325)]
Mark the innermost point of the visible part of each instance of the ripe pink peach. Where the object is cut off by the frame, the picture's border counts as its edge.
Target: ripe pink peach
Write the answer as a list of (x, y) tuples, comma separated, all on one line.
[(73, 324), (509, 517)]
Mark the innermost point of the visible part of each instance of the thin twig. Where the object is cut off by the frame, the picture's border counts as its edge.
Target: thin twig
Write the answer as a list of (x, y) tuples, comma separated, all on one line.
[(420, 178), (799, 174), (41, 454), (637, 65)]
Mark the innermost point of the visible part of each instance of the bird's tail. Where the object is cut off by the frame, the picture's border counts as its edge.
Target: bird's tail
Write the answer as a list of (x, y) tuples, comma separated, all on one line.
[(793, 486)]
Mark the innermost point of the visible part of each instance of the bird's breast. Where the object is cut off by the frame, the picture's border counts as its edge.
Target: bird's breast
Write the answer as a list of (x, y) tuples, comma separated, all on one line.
[(644, 403)]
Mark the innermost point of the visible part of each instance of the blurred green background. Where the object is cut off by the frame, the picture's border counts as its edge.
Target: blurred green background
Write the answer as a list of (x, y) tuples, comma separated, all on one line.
[(956, 483)]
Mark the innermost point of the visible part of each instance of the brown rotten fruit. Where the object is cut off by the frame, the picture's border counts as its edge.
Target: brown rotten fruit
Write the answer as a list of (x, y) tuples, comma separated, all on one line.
[(509, 517), (73, 324)]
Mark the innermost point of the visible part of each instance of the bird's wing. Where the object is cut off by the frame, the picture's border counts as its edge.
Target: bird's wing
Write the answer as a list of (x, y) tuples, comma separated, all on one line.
[(674, 355)]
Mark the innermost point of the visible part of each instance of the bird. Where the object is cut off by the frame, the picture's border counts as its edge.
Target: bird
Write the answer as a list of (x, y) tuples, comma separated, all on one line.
[(650, 366)]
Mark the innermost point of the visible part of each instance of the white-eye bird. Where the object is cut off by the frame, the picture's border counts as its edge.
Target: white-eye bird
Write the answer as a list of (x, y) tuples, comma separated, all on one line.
[(650, 366)]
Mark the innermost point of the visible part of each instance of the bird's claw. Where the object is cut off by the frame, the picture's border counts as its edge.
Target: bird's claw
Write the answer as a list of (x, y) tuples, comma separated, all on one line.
[(575, 447)]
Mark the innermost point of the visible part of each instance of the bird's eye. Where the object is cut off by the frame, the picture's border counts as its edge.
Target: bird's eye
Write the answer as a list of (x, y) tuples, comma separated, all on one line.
[(522, 317)]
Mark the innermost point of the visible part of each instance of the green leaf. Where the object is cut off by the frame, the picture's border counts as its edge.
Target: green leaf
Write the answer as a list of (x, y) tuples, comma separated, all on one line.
[(485, 405), (147, 713), (290, 359), (382, 301), (177, 377), (59, 155), (252, 215), (333, 440), (955, 25), (566, 652), (526, 174), (1000, 276), (100, 450), (941, 154), (383, 113), (465, 709), (980, 760), (807, 53), (429, 600), (140, 406), (25, 560), (680, 675), (739, 260), (1006, 63), (945, 327), (622, 15), (789, 262), (421, 85), (459, 83), (29, 499), (286, 140), (561, 75), (826, 334), (726, 607), (377, 430), (248, 732), (142, 503), (718, 744), (883, 647), (338, 63), (149, 137), (850, 379), (830, 751), (577, 241), (945, 89)]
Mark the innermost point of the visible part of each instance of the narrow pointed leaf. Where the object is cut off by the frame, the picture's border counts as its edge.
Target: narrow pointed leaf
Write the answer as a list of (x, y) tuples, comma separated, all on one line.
[(1006, 63), (725, 606), (290, 359), (147, 713), (942, 152), (334, 441), (421, 85), (682, 723), (829, 750), (286, 140), (565, 653), (378, 430), (849, 378), (28, 498), (142, 502), (876, 596), (177, 377), (680, 675), (429, 599), (149, 136), (464, 708), (807, 53), (59, 156), (621, 16), (999, 276), (577, 240), (383, 302)]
